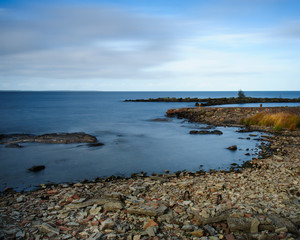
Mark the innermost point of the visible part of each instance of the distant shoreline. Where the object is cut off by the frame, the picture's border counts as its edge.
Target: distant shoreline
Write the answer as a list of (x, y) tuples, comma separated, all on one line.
[(218, 101)]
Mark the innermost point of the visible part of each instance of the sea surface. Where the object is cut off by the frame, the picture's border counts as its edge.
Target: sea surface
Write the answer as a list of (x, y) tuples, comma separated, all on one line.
[(132, 142)]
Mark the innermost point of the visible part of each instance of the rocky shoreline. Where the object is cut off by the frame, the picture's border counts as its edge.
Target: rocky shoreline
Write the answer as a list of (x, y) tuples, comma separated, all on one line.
[(258, 202)]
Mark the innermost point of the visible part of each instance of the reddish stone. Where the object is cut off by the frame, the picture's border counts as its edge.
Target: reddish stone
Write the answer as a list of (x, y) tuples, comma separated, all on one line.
[(60, 222), (64, 228), (52, 192), (229, 237), (24, 222), (94, 223), (75, 196), (150, 223), (223, 225), (83, 221), (90, 217)]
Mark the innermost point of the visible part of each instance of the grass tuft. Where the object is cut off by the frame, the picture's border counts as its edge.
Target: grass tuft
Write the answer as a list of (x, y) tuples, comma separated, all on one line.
[(277, 120)]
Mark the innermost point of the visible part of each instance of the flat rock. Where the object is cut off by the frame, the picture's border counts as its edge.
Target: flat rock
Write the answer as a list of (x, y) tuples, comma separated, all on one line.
[(52, 138), (46, 228), (107, 224), (149, 209), (239, 224), (217, 132), (113, 206)]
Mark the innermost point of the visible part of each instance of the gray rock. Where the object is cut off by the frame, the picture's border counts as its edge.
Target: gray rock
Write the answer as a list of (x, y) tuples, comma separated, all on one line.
[(239, 224), (279, 222), (151, 231), (20, 199), (218, 132), (111, 236), (107, 224), (210, 230), (96, 236), (148, 209), (99, 201), (46, 228), (113, 206), (188, 228)]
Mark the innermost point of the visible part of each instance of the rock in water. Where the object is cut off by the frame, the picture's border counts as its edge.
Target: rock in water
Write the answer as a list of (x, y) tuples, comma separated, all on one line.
[(13, 145), (218, 132), (53, 138), (232, 148), (36, 168)]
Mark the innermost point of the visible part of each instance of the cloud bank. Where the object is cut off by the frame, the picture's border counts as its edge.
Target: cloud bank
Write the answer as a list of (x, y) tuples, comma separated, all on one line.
[(105, 47)]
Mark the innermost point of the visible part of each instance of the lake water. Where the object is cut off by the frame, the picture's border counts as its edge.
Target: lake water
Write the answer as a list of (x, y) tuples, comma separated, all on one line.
[(133, 142)]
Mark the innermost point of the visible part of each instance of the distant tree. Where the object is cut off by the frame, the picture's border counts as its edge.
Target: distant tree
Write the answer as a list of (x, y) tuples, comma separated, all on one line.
[(241, 94)]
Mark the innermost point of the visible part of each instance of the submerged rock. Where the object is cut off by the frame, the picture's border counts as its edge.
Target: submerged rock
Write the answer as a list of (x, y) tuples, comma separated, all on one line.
[(217, 132), (13, 145), (36, 168), (160, 120)]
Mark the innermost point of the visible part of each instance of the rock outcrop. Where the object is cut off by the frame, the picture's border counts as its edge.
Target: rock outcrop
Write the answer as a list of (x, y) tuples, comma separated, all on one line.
[(51, 138)]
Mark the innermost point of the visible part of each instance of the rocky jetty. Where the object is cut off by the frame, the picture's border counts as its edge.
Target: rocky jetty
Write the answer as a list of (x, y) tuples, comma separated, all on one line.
[(218, 101), (13, 140), (261, 201)]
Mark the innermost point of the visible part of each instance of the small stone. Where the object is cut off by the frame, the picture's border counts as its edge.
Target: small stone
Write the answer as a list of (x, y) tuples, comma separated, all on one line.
[(20, 234), (198, 233), (187, 203), (72, 224), (150, 223), (95, 236), (36, 168), (94, 223), (95, 210), (232, 148), (210, 230), (151, 231), (281, 230), (111, 236), (188, 228), (229, 237), (136, 237), (254, 225), (20, 199), (213, 238), (107, 224), (46, 228), (113, 206), (67, 236)]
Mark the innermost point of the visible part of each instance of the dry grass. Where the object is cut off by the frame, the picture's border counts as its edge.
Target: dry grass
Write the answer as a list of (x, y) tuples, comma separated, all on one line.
[(277, 120)]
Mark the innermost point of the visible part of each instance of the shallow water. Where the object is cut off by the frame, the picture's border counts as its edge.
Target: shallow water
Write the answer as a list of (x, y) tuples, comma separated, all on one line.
[(133, 143)]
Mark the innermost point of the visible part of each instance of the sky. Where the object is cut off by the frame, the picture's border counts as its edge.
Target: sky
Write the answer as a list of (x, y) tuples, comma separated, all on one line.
[(150, 45)]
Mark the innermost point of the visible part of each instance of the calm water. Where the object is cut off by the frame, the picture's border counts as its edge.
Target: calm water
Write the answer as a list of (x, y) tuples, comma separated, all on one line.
[(133, 143)]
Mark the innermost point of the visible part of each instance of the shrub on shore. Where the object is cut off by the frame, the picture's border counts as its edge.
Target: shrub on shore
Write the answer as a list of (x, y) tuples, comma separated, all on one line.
[(277, 120)]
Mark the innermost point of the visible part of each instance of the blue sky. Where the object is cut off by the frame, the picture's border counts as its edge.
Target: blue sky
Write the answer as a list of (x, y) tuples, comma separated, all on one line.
[(156, 45)]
